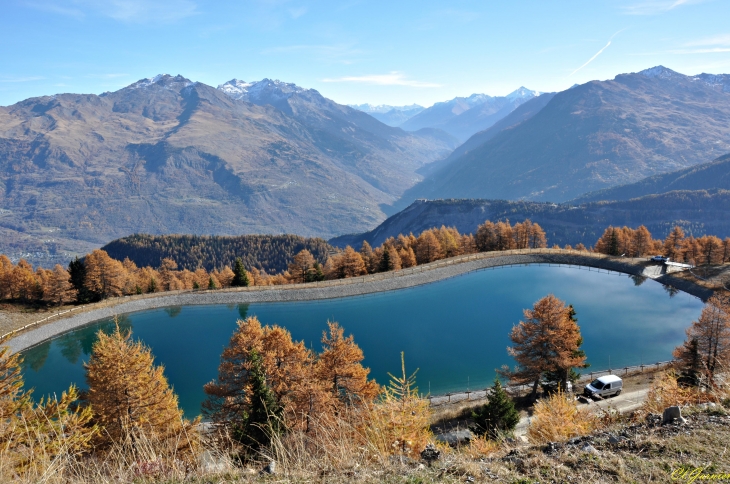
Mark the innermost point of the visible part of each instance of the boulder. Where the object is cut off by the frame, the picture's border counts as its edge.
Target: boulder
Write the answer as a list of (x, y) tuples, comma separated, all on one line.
[(670, 413), (589, 448), (430, 454), (270, 468)]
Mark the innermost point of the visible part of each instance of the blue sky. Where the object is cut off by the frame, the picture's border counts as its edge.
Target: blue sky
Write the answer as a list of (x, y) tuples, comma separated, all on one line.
[(392, 52)]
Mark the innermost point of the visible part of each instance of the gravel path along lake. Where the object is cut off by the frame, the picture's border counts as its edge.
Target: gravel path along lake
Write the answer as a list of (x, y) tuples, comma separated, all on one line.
[(388, 281)]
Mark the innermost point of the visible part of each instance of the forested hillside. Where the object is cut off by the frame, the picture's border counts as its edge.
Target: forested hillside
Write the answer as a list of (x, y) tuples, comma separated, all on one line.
[(272, 253), (698, 212)]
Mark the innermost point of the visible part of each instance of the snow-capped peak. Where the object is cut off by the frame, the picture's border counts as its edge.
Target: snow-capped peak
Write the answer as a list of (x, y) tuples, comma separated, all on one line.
[(235, 87), (383, 108), (721, 81), (522, 93), (165, 80), (251, 91), (660, 72)]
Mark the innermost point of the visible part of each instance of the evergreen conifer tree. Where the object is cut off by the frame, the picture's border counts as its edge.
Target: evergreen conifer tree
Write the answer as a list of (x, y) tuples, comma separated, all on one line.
[(315, 273), (498, 416), (385, 261), (240, 278), (211, 283), (77, 272), (263, 418)]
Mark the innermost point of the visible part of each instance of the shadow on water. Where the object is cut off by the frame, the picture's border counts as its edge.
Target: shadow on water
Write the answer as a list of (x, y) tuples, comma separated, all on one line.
[(243, 310), (173, 311), (638, 279), (74, 344), (36, 358)]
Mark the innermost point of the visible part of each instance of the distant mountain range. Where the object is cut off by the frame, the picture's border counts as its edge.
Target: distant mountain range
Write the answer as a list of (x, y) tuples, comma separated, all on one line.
[(715, 174), (461, 117), (169, 155), (390, 115), (593, 136)]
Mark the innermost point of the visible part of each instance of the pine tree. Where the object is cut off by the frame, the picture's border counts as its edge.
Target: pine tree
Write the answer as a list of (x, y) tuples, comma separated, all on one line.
[(498, 416), (212, 284), (77, 277), (263, 416), (385, 261), (129, 395), (240, 278), (315, 273)]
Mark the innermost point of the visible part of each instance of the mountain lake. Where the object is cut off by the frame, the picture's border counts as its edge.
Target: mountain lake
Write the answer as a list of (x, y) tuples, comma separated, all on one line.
[(455, 330)]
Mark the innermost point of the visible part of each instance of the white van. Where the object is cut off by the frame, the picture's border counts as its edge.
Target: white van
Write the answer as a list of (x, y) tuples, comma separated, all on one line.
[(605, 386)]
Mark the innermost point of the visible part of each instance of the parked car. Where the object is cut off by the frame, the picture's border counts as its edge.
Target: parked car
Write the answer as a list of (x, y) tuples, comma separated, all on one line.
[(660, 258), (605, 386)]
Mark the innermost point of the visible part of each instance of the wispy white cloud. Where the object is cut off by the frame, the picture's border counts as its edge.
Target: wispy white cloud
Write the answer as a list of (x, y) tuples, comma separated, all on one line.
[(597, 53), (21, 79), (130, 11), (392, 79), (655, 7), (707, 45), (67, 10), (721, 39)]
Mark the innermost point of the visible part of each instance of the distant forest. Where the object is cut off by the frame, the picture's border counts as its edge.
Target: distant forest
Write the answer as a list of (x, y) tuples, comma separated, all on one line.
[(272, 253)]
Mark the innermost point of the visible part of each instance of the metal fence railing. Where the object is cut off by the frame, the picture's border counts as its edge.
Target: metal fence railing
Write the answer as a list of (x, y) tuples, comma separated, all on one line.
[(480, 394)]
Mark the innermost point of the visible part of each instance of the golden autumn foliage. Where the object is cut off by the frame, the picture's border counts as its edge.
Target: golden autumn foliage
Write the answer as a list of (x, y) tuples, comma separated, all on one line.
[(665, 392), (706, 351), (308, 387), (399, 424), (130, 396), (557, 418), (548, 340), (33, 435), (105, 277), (339, 367)]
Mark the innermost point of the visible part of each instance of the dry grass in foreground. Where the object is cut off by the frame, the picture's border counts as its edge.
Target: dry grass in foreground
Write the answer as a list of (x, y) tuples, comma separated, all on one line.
[(623, 452)]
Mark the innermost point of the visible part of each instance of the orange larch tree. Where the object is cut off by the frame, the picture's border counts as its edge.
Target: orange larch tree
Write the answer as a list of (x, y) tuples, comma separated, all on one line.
[(548, 340), (706, 351), (339, 365)]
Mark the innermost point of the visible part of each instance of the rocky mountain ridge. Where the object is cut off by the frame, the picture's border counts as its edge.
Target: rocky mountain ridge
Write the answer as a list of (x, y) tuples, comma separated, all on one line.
[(169, 155)]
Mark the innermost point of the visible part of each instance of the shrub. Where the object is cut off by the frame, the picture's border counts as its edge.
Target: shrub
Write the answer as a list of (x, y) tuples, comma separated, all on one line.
[(557, 418)]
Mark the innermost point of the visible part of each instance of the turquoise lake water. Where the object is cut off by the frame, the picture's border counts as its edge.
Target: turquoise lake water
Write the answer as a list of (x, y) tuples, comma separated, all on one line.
[(455, 331)]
